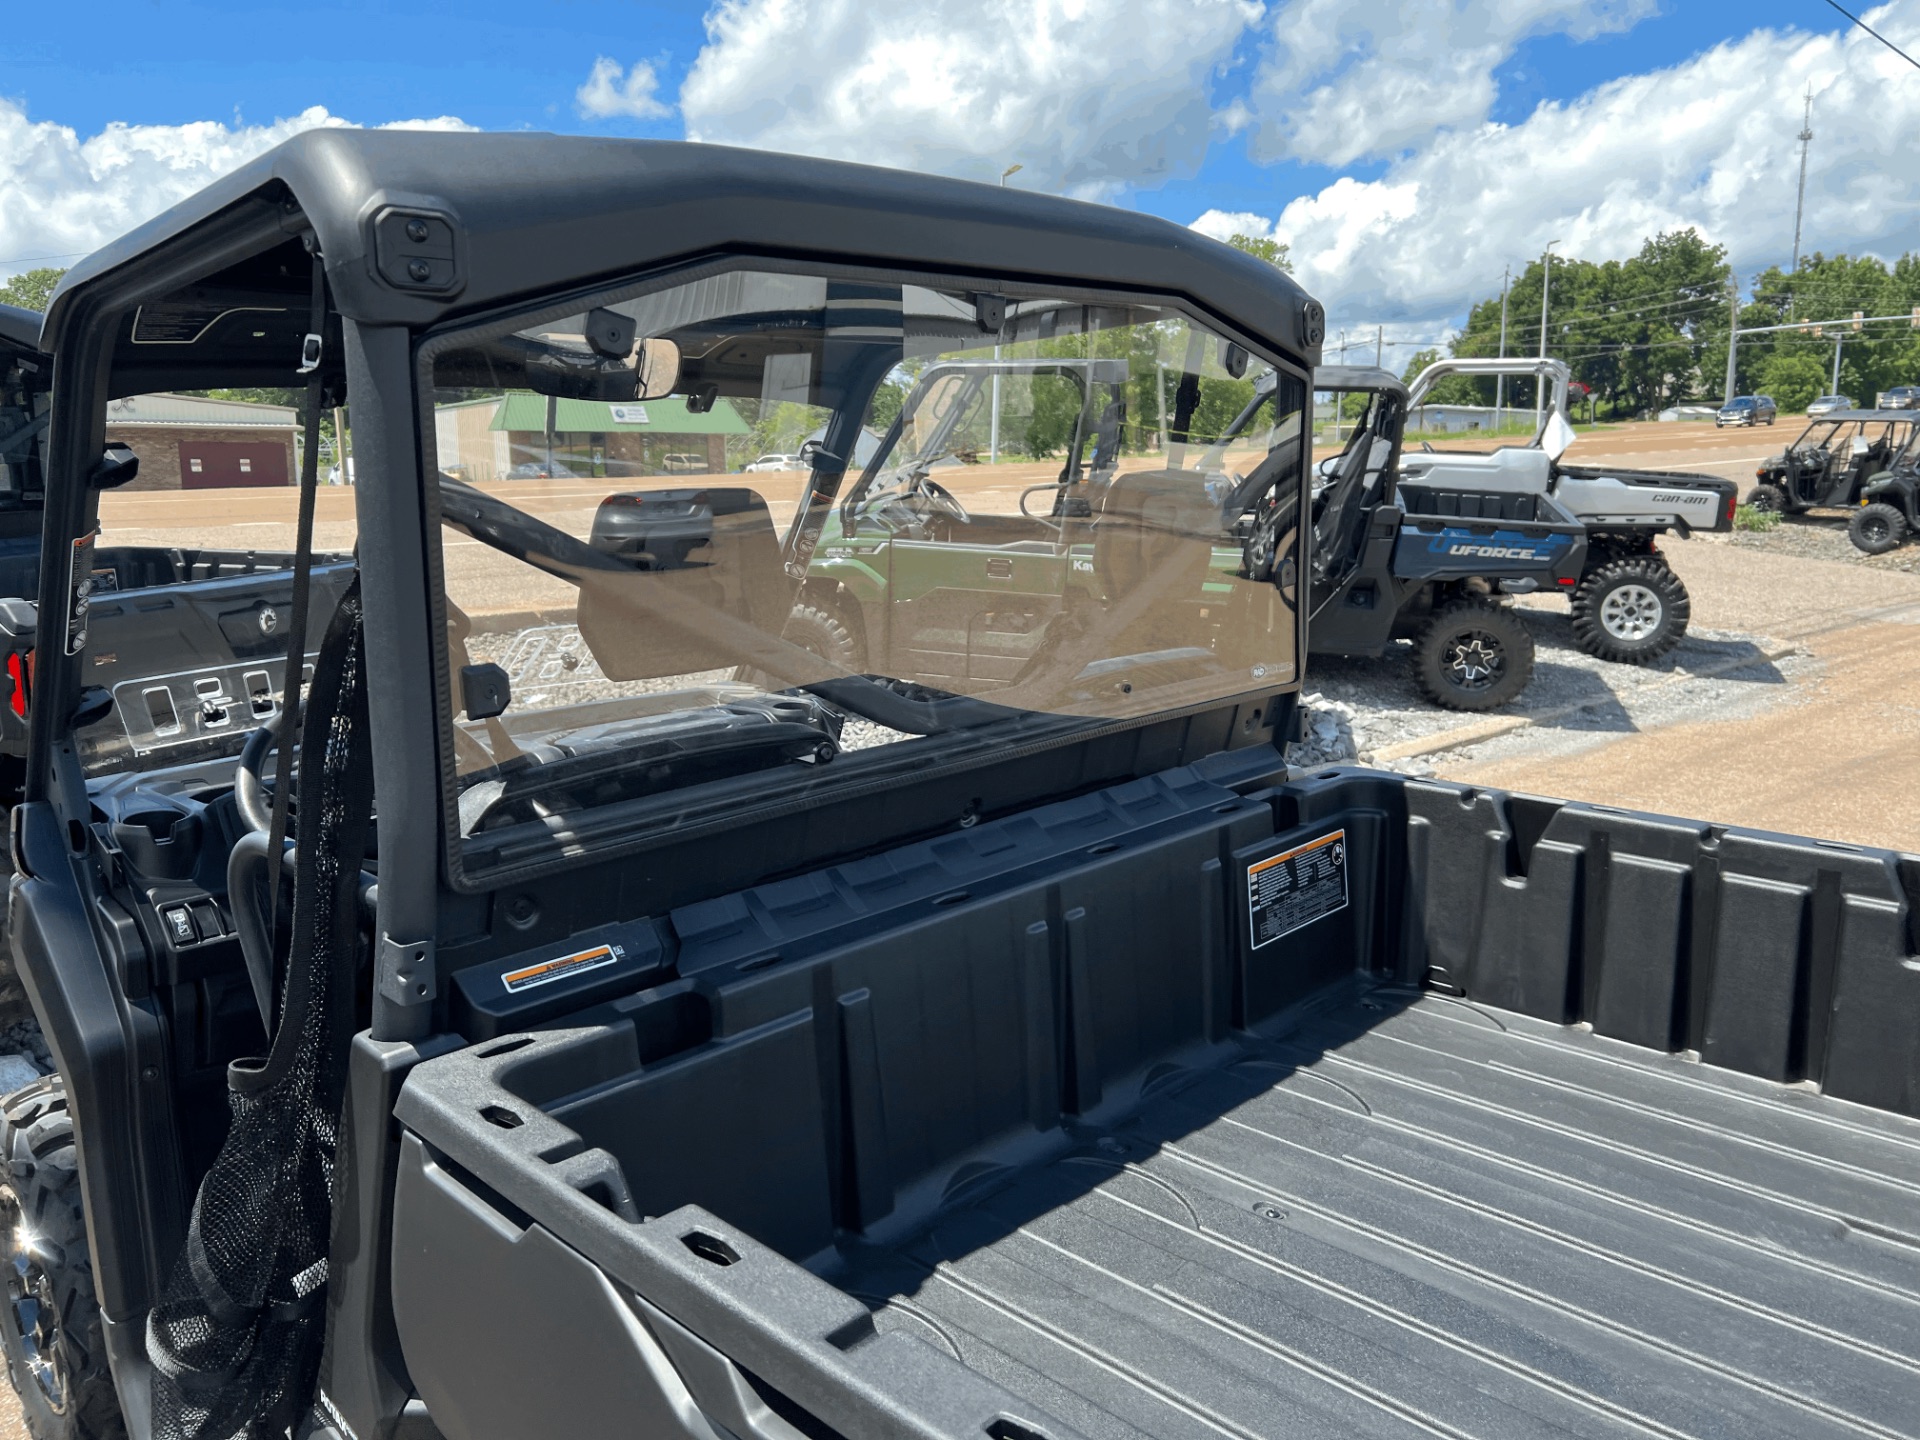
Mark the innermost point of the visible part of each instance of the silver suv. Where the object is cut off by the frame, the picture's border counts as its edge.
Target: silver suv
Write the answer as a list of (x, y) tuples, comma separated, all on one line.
[(1747, 410)]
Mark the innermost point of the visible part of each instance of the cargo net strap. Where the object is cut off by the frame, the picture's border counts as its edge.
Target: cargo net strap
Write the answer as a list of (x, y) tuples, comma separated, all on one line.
[(235, 1341)]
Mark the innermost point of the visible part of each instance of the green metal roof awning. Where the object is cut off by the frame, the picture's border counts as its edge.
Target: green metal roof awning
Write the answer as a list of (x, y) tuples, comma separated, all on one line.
[(640, 417)]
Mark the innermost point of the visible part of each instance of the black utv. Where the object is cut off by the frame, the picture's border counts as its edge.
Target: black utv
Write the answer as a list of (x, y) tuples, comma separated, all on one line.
[(1834, 459), (587, 1012), (1890, 504)]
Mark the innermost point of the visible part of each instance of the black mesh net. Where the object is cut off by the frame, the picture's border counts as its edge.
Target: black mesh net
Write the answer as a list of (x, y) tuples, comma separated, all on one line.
[(235, 1341)]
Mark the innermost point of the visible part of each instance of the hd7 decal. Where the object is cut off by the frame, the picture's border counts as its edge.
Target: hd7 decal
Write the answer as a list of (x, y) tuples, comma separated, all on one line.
[(547, 971), (1296, 888)]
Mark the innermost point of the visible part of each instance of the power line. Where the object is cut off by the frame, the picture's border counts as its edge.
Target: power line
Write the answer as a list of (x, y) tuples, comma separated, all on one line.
[(1875, 33), (29, 259)]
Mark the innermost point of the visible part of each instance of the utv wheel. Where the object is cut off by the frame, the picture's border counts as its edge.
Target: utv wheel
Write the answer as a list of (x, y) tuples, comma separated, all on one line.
[(1768, 499), (1632, 610), (1473, 655), (1877, 528), (821, 631), (50, 1322)]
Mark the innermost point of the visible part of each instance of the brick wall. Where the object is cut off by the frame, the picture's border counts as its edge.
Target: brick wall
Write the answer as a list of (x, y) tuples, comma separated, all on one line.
[(158, 447)]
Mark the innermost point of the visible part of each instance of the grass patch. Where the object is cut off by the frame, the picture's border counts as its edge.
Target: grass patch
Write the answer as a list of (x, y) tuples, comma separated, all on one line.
[(1755, 521)]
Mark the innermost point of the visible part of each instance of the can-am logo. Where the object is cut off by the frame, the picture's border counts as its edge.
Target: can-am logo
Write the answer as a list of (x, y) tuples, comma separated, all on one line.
[(1685, 497)]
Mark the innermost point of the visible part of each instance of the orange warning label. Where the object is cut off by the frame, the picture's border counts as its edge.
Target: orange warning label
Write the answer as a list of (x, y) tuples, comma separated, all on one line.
[(550, 970), (1296, 887)]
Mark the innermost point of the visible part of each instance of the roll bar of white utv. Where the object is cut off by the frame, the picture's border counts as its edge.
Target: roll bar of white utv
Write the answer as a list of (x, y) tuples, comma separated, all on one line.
[(1554, 371)]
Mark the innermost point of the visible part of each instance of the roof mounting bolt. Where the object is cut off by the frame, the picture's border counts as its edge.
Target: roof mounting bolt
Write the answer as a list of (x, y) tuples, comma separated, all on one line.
[(417, 231), (419, 270)]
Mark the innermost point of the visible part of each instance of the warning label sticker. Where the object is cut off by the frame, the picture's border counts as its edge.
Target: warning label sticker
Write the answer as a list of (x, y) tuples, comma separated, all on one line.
[(548, 971), (1296, 888)]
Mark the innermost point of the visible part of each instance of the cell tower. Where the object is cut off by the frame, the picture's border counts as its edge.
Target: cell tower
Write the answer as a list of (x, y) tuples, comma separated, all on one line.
[(1806, 139)]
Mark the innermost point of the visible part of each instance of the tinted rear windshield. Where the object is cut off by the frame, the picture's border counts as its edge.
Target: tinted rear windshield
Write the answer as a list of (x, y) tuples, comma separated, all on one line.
[(759, 534)]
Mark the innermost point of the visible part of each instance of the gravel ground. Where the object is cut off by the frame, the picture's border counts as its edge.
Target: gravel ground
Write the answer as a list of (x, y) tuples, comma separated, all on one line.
[(1360, 708), (1822, 535)]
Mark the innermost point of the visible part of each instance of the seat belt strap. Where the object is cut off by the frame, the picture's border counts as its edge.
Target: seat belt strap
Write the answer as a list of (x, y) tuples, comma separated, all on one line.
[(312, 348)]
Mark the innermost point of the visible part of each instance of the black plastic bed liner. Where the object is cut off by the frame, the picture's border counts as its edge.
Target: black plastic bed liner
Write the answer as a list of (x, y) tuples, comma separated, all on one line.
[(1422, 1216)]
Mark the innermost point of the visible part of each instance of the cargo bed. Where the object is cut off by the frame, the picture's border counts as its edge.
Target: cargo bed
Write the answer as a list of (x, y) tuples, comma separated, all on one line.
[(1418, 1215), (1109, 1121)]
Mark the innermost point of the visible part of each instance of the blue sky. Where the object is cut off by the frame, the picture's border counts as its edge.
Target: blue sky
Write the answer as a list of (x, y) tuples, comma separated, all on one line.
[(515, 64), (1357, 131)]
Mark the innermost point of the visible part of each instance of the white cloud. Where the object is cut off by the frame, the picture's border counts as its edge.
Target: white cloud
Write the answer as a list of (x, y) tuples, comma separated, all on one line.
[(1346, 80), (63, 196), (1708, 143), (609, 91), (1089, 96)]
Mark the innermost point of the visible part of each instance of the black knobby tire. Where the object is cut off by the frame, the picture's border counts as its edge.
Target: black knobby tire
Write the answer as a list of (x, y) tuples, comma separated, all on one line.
[(1633, 610), (1473, 655), (50, 1322), (1768, 499), (1877, 528), (823, 632)]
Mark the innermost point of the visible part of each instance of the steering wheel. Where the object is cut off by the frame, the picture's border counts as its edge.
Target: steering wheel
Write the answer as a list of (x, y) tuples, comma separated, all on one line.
[(943, 499), (250, 792)]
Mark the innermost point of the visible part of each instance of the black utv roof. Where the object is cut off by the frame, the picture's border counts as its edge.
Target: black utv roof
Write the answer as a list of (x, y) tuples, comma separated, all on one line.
[(1370, 378), (19, 328), (535, 213)]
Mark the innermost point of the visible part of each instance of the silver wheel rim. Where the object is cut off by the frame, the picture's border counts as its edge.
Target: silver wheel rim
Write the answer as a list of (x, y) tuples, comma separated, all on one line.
[(34, 1313), (1632, 612), (1474, 659)]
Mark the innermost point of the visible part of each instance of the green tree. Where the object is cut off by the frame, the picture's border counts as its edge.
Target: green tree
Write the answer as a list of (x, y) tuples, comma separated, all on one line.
[(1453, 390), (1275, 252), (31, 289), (1793, 380), (1822, 296), (1640, 332)]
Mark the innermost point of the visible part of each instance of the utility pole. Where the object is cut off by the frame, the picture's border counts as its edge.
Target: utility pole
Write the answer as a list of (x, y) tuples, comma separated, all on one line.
[(1379, 346), (1806, 140), (1838, 341), (993, 428), (1546, 289), (1733, 333), (1500, 381), (1338, 398)]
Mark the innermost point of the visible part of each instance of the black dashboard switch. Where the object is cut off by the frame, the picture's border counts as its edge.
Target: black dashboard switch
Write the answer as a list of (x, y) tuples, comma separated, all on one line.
[(179, 923), (206, 919)]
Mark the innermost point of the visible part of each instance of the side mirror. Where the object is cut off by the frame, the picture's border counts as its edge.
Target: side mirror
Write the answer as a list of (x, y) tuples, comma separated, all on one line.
[(115, 467), (656, 369)]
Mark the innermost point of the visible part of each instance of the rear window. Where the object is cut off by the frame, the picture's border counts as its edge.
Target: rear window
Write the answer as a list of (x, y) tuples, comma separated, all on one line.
[(1002, 520)]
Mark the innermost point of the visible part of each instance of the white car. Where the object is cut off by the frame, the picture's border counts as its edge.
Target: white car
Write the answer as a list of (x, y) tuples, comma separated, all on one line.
[(774, 462)]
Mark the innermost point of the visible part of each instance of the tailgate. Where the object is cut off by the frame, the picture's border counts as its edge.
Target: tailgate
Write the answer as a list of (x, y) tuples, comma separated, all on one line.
[(1678, 488)]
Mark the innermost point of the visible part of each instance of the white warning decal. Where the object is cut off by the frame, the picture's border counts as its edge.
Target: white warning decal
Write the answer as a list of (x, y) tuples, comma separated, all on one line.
[(1296, 888)]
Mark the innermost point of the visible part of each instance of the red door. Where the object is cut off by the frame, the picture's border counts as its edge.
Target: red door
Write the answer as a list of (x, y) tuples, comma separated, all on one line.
[(215, 464)]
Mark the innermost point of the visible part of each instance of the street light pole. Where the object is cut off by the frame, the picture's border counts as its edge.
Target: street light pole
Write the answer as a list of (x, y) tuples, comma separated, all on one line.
[(1546, 289), (993, 432), (1733, 334)]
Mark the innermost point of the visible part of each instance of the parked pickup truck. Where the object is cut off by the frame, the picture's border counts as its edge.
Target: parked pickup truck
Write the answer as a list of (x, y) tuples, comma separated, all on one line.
[(627, 1048)]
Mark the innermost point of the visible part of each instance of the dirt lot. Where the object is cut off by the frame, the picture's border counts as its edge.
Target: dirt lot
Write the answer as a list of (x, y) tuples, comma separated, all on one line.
[(1791, 706)]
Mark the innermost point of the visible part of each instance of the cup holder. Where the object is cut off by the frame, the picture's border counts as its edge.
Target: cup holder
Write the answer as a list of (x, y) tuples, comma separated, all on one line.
[(159, 844)]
